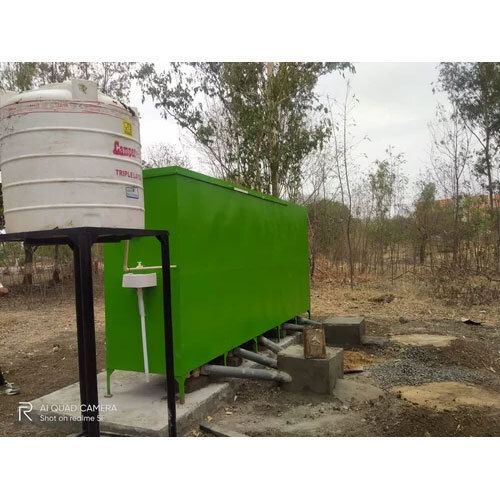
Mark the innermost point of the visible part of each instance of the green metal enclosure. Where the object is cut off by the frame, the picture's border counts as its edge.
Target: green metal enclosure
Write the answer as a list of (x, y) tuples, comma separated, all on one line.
[(241, 269)]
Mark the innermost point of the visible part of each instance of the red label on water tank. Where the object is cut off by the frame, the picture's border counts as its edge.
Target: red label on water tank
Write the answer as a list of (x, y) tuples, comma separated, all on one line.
[(124, 150), (127, 173)]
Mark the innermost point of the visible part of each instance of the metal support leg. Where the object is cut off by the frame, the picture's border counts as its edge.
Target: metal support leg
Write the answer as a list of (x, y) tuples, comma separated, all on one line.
[(169, 341), (256, 345), (108, 383), (81, 239), (181, 383), (82, 246), (79, 334)]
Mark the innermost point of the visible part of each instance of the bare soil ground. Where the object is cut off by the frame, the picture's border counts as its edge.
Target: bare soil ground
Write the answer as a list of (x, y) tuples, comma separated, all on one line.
[(394, 396), (445, 382), (38, 352)]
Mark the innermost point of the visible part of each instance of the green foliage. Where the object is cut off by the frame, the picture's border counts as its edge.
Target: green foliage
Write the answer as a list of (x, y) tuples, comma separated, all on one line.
[(476, 221), (11, 254), (424, 216), (427, 197), (474, 88), (382, 182), (386, 182), (253, 120), (18, 76)]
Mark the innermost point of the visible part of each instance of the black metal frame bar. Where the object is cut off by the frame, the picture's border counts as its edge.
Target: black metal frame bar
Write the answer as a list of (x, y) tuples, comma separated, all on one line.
[(80, 240)]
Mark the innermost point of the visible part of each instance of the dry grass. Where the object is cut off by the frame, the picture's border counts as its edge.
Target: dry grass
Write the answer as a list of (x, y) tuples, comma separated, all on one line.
[(413, 300)]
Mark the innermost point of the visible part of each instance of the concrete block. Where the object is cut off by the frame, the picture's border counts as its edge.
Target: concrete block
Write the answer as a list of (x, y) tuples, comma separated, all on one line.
[(344, 331), (311, 375)]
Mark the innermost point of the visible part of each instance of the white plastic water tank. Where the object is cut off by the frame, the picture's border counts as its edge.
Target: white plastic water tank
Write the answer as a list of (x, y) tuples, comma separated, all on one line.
[(69, 157)]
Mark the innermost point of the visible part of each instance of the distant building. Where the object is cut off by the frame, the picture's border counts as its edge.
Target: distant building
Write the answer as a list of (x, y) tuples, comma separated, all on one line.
[(473, 204), (481, 202)]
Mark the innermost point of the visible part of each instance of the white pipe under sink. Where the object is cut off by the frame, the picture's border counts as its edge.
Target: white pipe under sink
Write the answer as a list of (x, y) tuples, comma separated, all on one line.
[(140, 281)]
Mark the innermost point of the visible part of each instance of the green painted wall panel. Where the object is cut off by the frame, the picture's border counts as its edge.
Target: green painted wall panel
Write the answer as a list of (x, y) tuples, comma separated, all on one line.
[(242, 269)]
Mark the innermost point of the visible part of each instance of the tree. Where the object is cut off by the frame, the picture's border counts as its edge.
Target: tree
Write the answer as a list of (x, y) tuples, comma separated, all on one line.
[(252, 119), (425, 208), (164, 155), (450, 155), (343, 147), (386, 185), (17, 76), (326, 219), (112, 78), (474, 88)]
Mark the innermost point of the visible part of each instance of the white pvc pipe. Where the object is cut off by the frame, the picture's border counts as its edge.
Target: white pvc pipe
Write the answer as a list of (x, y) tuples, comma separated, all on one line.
[(142, 313), (139, 266)]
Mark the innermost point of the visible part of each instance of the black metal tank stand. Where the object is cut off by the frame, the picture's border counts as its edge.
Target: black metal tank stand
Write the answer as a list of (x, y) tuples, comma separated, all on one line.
[(80, 240)]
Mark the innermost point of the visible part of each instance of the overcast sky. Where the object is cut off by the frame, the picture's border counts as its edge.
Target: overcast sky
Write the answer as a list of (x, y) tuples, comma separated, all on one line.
[(395, 106)]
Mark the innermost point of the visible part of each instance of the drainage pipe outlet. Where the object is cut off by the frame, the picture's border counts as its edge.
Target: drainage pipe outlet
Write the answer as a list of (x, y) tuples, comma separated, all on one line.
[(269, 344), (306, 321), (251, 373), (253, 356), (291, 326)]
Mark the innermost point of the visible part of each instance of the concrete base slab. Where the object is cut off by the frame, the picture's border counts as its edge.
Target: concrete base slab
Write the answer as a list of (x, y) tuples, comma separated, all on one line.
[(311, 375), (344, 331), (137, 408)]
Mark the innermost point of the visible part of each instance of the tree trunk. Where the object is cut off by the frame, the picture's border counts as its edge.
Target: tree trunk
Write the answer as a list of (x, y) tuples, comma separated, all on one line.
[(349, 247), (312, 264), (28, 264), (421, 253), (274, 182), (494, 216), (56, 274)]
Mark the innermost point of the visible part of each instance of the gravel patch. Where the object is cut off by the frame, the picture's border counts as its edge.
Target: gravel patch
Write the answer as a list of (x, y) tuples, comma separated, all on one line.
[(416, 366)]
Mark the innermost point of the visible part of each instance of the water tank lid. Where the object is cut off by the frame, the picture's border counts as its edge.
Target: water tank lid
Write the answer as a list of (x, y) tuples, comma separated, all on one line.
[(72, 90)]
